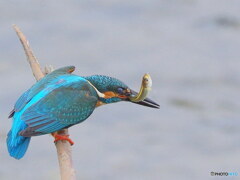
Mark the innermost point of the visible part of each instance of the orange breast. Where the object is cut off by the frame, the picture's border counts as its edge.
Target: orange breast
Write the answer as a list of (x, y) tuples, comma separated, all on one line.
[(109, 94), (99, 103)]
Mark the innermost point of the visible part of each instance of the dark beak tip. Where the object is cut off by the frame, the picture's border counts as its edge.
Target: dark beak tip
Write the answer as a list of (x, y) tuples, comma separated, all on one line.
[(156, 107), (149, 103)]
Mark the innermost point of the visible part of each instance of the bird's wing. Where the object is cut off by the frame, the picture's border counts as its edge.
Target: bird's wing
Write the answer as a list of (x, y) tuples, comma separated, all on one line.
[(41, 84), (61, 108)]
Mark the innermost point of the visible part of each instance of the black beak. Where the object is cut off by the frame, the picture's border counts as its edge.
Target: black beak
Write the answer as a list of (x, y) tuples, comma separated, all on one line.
[(146, 102)]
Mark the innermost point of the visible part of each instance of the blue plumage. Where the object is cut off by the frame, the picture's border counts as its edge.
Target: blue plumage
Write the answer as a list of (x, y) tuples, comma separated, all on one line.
[(58, 101), (46, 108), (17, 146)]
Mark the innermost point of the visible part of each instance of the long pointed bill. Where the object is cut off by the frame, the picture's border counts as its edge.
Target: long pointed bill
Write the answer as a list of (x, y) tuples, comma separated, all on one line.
[(141, 97), (146, 102)]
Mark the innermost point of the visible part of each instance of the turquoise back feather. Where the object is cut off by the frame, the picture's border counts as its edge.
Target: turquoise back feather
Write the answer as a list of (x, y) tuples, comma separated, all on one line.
[(57, 101), (31, 110)]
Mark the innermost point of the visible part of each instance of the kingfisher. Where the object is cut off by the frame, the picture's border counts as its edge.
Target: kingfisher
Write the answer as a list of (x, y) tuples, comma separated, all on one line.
[(60, 100)]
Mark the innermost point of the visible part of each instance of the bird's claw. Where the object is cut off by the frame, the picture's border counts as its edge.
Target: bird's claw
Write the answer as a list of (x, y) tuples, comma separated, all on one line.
[(59, 137)]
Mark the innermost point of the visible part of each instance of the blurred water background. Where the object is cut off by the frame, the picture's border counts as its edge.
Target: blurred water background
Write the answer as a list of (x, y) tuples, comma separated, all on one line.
[(191, 50)]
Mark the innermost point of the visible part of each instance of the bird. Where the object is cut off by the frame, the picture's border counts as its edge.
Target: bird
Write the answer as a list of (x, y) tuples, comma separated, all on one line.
[(60, 100)]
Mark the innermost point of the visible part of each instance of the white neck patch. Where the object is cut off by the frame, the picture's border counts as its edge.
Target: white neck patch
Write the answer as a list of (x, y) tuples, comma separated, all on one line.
[(98, 92)]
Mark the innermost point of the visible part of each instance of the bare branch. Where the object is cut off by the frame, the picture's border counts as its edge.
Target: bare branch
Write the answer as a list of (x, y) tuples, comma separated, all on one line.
[(36, 69), (64, 150), (48, 69)]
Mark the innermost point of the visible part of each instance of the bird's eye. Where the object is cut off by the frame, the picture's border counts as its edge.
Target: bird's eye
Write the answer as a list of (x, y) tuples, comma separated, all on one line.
[(120, 90)]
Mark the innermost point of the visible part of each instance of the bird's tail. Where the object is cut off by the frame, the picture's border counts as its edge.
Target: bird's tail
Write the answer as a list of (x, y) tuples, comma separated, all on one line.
[(17, 146)]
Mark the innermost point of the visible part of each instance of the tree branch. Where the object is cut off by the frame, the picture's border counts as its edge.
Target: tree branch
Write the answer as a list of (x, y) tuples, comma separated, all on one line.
[(36, 69), (64, 150)]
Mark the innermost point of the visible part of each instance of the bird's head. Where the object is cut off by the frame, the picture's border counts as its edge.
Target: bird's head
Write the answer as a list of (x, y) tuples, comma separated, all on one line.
[(114, 90)]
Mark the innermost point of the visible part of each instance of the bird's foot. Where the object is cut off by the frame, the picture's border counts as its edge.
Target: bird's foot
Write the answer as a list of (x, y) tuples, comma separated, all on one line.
[(59, 137)]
